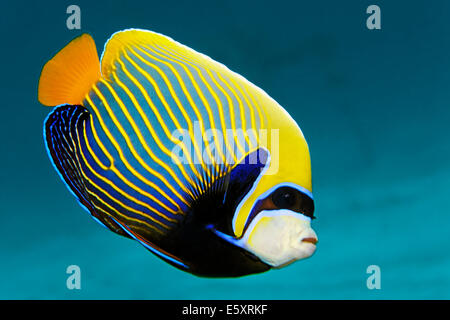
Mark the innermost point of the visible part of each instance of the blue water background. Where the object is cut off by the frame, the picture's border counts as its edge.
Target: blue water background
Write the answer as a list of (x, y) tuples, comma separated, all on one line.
[(373, 105)]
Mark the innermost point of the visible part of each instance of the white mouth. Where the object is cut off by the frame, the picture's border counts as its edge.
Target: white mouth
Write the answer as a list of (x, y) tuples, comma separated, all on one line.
[(280, 237)]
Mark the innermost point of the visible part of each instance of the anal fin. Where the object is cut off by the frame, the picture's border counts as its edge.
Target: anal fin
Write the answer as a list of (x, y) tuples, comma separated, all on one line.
[(152, 248)]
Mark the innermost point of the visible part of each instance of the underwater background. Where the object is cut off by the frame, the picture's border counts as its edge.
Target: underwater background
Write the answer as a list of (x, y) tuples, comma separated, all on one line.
[(374, 106)]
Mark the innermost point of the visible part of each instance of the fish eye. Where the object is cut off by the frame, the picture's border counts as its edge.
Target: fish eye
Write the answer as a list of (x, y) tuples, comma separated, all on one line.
[(284, 198), (292, 199)]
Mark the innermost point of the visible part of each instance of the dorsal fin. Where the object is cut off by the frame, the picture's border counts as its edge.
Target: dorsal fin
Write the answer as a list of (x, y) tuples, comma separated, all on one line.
[(69, 75)]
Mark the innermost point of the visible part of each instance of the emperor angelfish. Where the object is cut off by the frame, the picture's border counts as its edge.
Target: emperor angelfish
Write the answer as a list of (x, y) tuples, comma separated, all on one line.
[(162, 144)]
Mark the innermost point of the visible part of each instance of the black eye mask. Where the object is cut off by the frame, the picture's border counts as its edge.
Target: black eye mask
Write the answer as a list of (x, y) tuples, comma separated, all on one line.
[(284, 198)]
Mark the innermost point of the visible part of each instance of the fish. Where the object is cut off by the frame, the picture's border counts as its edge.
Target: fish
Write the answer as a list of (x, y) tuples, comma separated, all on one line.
[(164, 145)]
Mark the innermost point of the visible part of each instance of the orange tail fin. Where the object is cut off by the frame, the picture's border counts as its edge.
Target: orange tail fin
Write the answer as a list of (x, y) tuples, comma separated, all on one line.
[(70, 74)]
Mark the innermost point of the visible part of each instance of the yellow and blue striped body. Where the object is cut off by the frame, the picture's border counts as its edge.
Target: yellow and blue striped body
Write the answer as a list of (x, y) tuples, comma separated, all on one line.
[(115, 151)]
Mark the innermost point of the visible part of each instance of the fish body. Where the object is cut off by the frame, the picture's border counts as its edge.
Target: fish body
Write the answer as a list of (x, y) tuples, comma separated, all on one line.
[(164, 145)]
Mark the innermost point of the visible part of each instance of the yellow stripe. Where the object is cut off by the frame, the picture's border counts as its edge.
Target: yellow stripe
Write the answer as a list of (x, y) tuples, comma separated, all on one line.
[(219, 107), (173, 94), (222, 118), (233, 115), (126, 195), (203, 98), (93, 154), (142, 140), (144, 229), (258, 108), (188, 96), (193, 58), (112, 168), (121, 155), (154, 136), (158, 116), (126, 217), (133, 150), (111, 159), (252, 112), (191, 103), (107, 194)]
